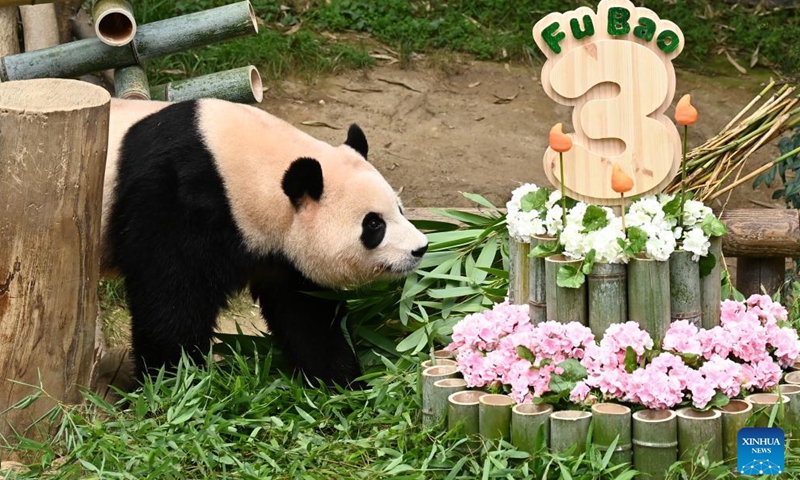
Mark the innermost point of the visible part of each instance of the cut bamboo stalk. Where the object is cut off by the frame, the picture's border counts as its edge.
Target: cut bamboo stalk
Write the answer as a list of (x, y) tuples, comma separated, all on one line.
[(530, 426), (711, 288), (564, 304), (443, 353), (649, 296), (494, 416), (569, 428), (699, 433), (537, 282), (655, 442), (613, 422), (608, 296), (795, 367), (792, 378), (518, 271), (15, 3), (439, 362), (763, 403), (131, 83), (442, 389), (241, 85), (684, 288), (39, 26), (429, 376), (153, 40), (463, 416), (114, 23), (9, 20), (734, 417), (791, 422)]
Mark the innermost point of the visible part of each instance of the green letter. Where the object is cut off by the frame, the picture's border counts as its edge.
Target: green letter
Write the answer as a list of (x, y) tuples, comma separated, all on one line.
[(667, 41), (588, 30), (618, 21), (552, 37), (646, 29)]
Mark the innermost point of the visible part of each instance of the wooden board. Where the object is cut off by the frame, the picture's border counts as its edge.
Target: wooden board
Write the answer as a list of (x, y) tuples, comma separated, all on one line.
[(615, 68)]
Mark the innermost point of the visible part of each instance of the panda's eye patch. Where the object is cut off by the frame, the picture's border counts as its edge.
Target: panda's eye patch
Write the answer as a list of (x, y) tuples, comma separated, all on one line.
[(373, 229)]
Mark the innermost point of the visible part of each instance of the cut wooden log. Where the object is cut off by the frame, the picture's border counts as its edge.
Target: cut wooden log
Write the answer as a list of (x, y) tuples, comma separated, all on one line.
[(51, 169)]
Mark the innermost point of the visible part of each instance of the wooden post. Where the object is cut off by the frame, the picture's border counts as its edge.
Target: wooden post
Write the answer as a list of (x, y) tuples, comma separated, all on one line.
[(756, 275), (53, 137)]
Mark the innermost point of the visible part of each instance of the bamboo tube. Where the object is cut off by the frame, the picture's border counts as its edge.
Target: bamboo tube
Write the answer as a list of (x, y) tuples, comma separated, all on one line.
[(518, 271), (568, 428), (792, 378), (9, 20), (684, 288), (462, 412), (763, 403), (564, 304), (655, 442), (795, 367), (442, 389), (699, 431), (114, 23), (241, 85), (734, 417), (443, 353), (711, 288), (608, 296), (39, 26), (439, 362), (15, 3), (131, 83), (530, 426), (791, 422), (494, 416), (153, 40), (537, 283), (649, 296), (429, 376), (613, 421)]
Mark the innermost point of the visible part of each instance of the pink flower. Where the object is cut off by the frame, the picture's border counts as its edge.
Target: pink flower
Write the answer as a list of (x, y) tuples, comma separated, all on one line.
[(579, 393), (763, 374), (682, 337)]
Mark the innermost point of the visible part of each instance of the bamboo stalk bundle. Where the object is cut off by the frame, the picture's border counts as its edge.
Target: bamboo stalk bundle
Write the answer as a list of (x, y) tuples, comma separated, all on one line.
[(699, 430), (518, 271), (131, 83), (442, 389), (711, 288), (241, 85), (530, 426), (152, 40), (494, 416), (613, 422), (655, 442), (714, 168), (763, 403), (649, 296), (568, 428), (684, 288), (429, 376), (114, 23), (608, 296), (734, 417), (564, 304)]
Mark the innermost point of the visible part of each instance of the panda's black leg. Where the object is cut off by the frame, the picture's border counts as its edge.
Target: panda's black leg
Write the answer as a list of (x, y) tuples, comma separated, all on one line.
[(308, 328)]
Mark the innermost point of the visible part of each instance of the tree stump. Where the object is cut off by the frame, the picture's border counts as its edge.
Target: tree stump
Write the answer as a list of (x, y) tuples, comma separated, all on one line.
[(53, 136)]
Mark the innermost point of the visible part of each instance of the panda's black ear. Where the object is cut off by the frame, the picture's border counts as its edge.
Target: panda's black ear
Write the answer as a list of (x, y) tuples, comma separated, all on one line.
[(302, 179), (357, 140)]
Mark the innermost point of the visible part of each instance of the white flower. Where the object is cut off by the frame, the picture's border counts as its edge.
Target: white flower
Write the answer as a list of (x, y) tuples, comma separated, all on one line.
[(513, 205), (694, 212), (553, 219), (696, 241)]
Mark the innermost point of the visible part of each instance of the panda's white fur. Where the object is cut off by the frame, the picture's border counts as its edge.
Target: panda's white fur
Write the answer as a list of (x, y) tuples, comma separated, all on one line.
[(290, 244)]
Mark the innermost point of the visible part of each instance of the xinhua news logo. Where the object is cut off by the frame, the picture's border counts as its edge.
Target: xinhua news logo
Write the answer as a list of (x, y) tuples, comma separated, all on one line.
[(760, 451)]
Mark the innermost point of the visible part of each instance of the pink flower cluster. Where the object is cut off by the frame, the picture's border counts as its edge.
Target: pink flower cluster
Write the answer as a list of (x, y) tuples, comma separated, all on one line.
[(500, 347)]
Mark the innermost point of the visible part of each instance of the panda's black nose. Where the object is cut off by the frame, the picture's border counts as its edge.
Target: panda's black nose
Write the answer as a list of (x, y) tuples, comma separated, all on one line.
[(420, 251)]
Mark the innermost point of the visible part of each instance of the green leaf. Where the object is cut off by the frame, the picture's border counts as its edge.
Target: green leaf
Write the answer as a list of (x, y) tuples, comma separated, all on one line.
[(588, 262), (594, 219), (534, 200), (546, 249), (713, 227), (472, 219), (525, 353), (569, 277), (718, 400), (413, 340), (573, 370), (485, 260), (452, 292), (631, 360), (707, 264), (672, 207), (637, 238), (479, 200)]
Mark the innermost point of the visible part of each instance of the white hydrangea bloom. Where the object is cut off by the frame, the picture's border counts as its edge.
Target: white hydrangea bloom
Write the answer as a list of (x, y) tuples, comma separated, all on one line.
[(694, 212), (513, 205), (553, 221), (697, 242)]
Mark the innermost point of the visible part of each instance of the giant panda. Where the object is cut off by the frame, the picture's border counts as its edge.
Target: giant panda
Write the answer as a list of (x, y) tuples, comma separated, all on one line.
[(206, 198)]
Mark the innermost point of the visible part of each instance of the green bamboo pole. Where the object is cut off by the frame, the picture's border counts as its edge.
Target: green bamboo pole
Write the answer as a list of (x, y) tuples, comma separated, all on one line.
[(792, 378), (429, 376), (568, 428), (439, 362), (442, 389), (734, 417), (537, 282), (518, 271), (763, 403), (131, 83), (241, 85), (530, 426), (655, 443), (607, 286), (711, 288), (564, 304), (649, 296), (114, 23), (613, 422), (684, 288), (494, 416), (463, 416), (152, 40), (791, 422), (699, 431), (15, 3)]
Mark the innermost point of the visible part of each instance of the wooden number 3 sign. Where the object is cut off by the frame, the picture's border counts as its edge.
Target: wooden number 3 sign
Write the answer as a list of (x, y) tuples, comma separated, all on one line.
[(615, 68)]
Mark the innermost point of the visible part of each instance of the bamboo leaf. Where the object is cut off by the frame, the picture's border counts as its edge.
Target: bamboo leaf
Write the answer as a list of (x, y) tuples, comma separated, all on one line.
[(485, 260), (465, 217), (412, 341), (452, 292), (479, 200), (434, 225)]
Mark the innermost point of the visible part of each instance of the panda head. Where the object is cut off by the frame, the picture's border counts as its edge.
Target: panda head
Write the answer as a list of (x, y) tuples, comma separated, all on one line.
[(348, 226)]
